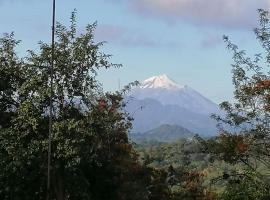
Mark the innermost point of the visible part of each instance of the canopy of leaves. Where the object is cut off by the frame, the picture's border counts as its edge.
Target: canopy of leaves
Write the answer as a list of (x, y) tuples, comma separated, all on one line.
[(245, 130), (91, 155)]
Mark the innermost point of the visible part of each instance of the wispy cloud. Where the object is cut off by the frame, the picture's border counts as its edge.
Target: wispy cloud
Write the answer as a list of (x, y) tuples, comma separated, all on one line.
[(211, 40), (131, 38), (145, 41), (223, 13), (110, 32)]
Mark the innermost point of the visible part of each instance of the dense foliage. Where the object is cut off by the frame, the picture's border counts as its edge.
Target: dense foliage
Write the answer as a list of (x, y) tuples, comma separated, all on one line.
[(91, 155), (243, 145), (244, 131), (191, 170)]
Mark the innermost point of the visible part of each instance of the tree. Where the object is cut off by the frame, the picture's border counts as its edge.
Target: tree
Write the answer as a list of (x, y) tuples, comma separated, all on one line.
[(11, 77), (91, 153), (245, 130)]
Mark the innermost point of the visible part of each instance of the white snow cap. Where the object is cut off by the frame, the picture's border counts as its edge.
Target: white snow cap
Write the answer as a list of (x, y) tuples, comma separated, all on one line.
[(162, 81)]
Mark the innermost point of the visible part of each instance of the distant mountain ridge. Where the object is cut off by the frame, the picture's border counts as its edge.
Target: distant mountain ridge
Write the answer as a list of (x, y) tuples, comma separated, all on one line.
[(168, 92), (163, 133), (159, 100)]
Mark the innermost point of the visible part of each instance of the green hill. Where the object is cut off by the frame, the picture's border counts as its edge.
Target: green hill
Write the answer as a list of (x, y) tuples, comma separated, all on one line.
[(163, 133)]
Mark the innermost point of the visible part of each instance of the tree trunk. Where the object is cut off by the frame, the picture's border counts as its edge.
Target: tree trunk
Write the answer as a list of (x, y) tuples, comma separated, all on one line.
[(59, 188)]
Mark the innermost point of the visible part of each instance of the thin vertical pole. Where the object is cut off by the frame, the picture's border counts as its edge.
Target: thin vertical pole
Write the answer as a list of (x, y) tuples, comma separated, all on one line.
[(51, 107)]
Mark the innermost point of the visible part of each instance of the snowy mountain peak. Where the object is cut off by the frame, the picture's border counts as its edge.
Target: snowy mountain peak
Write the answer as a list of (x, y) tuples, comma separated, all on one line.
[(162, 81), (168, 92)]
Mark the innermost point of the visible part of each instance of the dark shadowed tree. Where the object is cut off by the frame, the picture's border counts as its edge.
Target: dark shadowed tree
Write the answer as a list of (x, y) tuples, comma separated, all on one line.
[(91, 155)]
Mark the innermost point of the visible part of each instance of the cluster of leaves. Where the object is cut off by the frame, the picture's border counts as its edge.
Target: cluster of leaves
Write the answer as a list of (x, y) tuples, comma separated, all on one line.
[(244, 139), (245, 130), (186, 165), (91, 156), (182, 153)]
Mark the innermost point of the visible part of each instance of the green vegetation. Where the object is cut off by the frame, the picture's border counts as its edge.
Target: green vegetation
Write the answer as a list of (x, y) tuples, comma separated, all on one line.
[(92, 156), (163, 133), (186, 156), (241, 150), (244, 131)]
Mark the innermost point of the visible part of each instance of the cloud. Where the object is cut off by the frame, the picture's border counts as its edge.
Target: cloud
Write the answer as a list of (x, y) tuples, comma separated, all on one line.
[(131, 38), (110, 32), (223, 13), (211, 41), (145, 41)]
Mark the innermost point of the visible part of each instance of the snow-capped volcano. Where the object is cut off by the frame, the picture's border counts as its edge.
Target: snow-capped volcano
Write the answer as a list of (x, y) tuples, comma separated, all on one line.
[(168, 92), (160, 82), (159, 100)]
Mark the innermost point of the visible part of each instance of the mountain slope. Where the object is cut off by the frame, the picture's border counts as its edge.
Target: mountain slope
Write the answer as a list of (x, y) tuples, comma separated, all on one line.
[(168, 92), (159, 100), (163, 133), (149, 114)]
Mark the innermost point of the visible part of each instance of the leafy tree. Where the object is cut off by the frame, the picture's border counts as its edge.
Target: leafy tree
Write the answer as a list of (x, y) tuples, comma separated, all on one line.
[(245, 130), (91, 155), (184, 166), (11, 77), (244, 190)]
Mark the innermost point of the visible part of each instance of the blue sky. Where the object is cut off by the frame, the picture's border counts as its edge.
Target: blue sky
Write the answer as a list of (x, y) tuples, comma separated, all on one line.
[(180, 38)]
